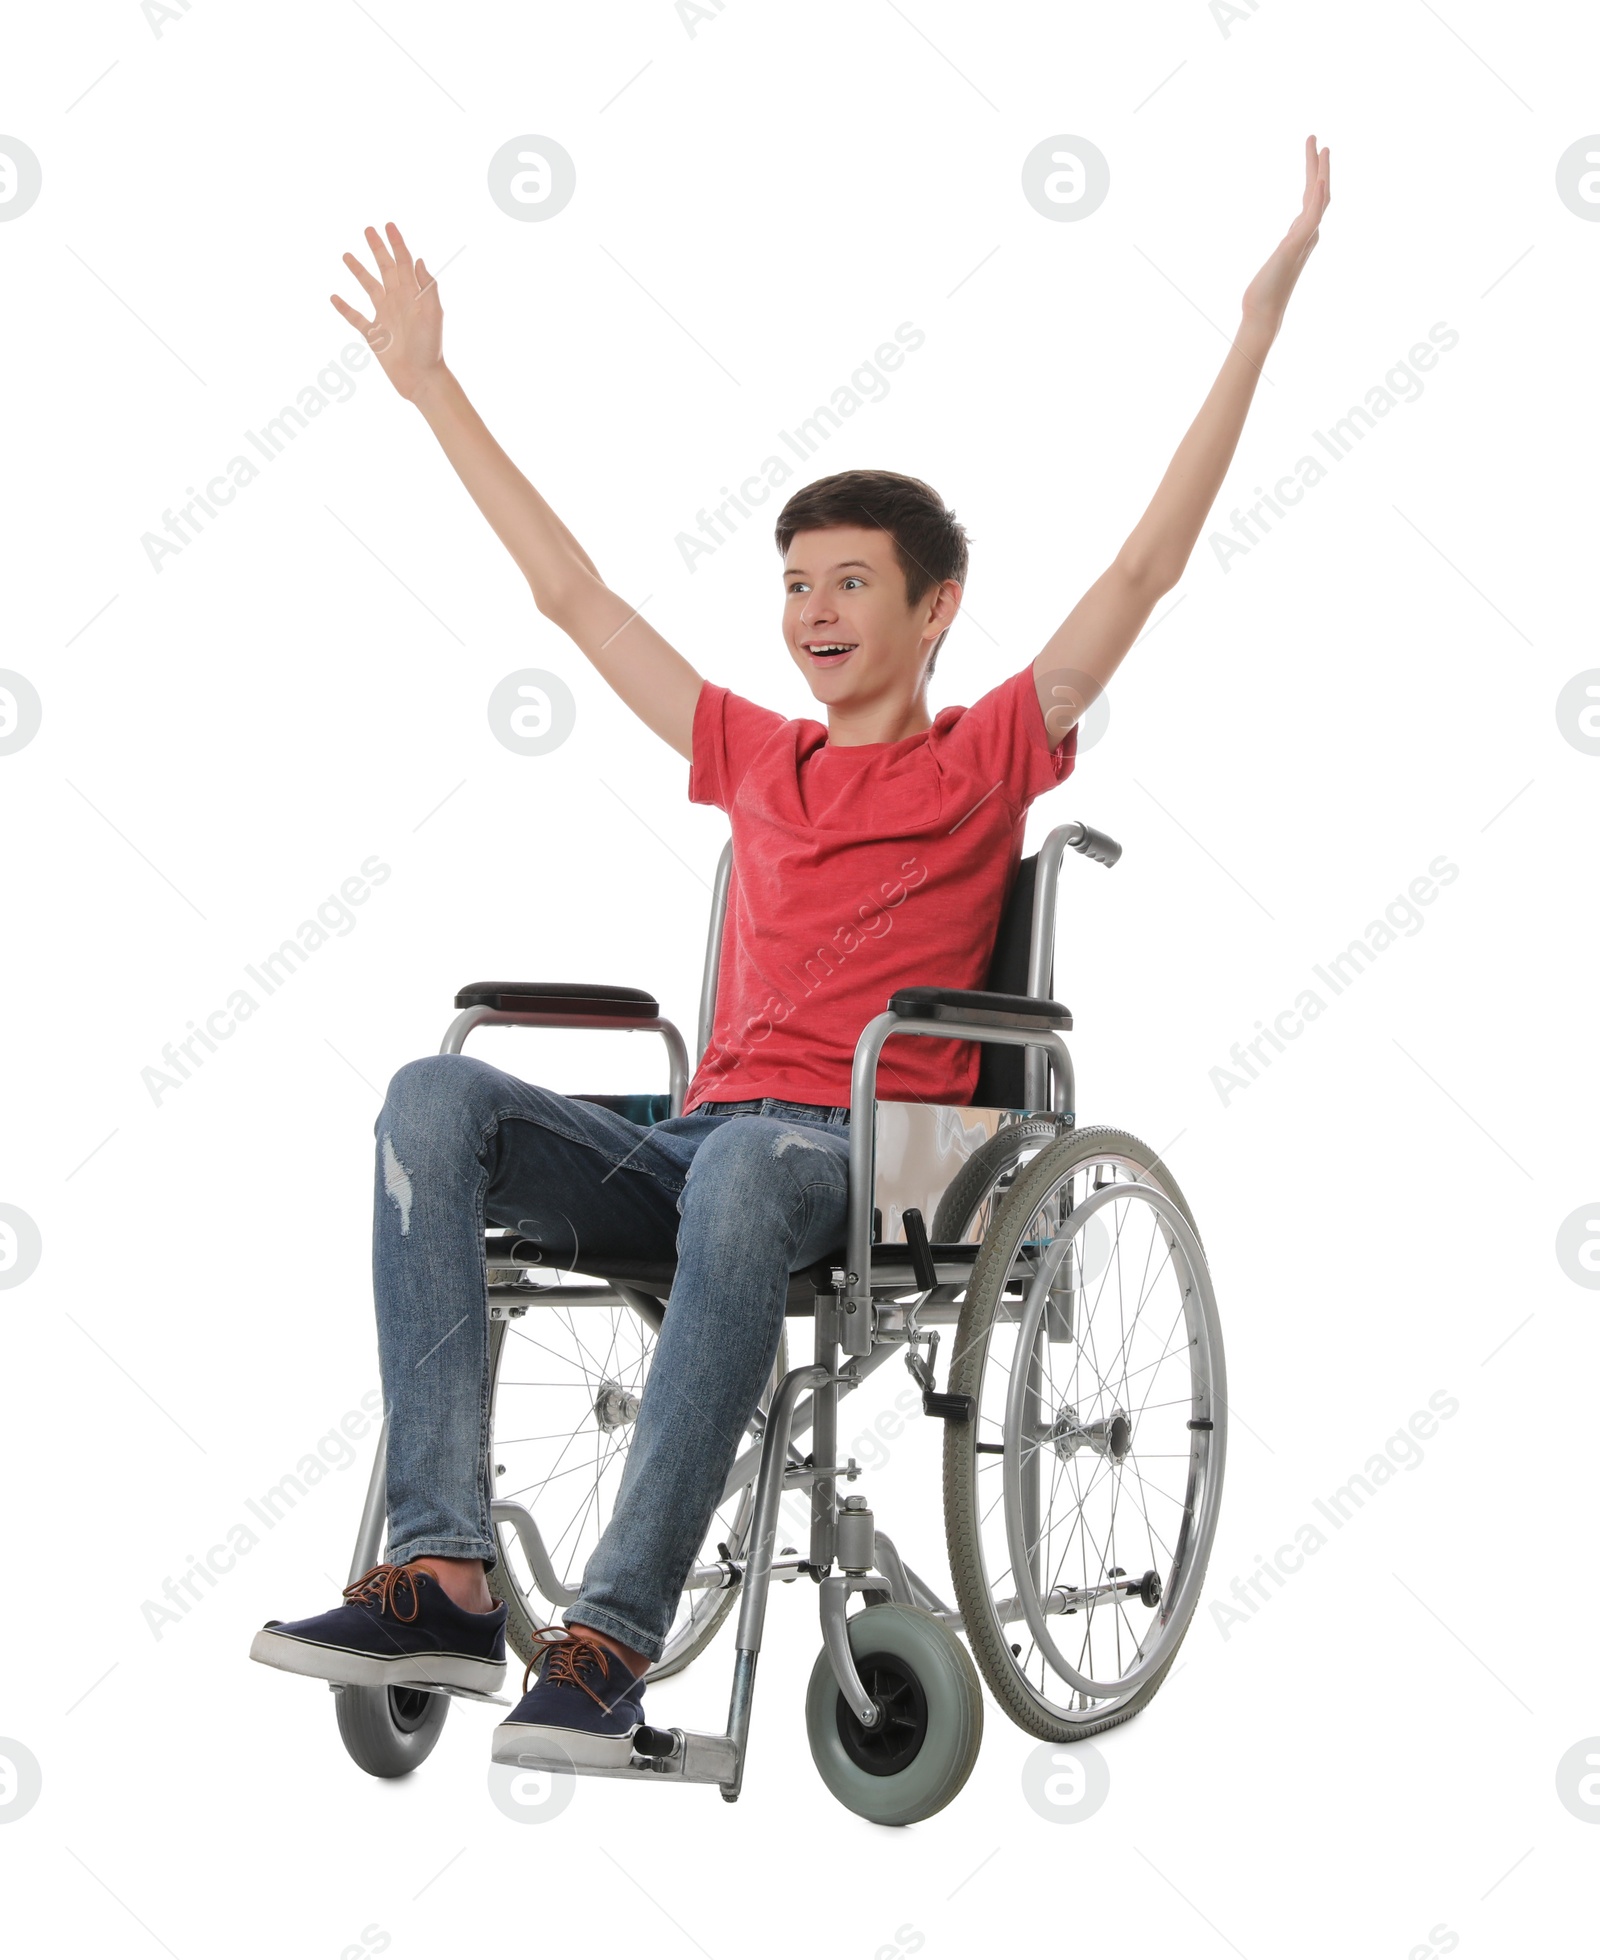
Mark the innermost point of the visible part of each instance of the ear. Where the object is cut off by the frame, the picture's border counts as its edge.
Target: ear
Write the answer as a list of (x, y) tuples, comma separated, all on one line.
[(946, 603)]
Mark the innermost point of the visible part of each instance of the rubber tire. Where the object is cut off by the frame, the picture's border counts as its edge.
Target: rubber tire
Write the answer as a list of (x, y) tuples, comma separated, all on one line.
[(376, 1741), (977, 1176), (944, 1671), (992, 1652), (519, 1626)]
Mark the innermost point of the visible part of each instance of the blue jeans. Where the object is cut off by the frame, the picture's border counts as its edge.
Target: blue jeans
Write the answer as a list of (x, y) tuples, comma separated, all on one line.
[(745, 1193)]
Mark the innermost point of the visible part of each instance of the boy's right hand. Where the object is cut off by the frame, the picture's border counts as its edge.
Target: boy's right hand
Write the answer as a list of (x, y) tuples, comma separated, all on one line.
[(406, 331)]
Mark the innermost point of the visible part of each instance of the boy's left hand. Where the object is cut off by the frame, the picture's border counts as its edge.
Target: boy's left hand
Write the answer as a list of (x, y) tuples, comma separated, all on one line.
[(1267, 295)]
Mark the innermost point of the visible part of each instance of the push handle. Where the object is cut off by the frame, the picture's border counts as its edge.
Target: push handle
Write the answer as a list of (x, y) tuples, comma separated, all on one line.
[(921, 1257), (1094, 844)]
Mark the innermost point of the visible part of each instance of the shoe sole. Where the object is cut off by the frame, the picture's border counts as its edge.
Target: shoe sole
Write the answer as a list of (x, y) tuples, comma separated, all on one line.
[(530, 1743), (353, 1670)]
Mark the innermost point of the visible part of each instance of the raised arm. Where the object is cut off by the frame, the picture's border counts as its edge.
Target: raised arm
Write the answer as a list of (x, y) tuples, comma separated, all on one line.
[(1087, 648), (407, 333)]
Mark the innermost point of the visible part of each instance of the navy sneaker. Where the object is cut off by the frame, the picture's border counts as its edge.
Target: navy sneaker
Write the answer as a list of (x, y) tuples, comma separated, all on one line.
[(584, 1708), (397, 1625)]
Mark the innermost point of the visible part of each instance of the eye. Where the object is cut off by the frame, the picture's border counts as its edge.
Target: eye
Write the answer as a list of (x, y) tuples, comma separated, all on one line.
[(853, 580), (798, 585)]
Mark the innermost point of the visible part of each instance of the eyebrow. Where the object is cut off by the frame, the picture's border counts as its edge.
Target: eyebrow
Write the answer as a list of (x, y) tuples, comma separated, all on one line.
[(845, 564)]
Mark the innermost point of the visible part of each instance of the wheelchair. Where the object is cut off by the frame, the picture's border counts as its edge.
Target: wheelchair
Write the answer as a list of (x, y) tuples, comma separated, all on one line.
[(1084, 1408)]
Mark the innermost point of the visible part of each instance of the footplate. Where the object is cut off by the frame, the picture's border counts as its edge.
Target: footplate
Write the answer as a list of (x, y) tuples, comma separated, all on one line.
[(681, 1753)]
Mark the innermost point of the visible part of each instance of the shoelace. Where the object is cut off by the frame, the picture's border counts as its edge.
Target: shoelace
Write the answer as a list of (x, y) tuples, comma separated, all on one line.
[(573, 1654), (380, 1584)]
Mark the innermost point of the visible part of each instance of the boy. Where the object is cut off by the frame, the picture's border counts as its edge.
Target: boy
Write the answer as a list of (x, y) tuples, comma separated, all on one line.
[(868, 854)]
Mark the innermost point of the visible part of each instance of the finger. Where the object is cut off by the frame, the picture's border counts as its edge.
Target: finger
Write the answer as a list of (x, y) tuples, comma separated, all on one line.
[(362, 327), (425, 279), (381, 253), (1308, 197), (370, 286), (402, 256)]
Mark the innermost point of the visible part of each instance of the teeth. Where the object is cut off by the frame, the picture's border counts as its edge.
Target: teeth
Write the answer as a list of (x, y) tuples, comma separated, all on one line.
[(832, 647)]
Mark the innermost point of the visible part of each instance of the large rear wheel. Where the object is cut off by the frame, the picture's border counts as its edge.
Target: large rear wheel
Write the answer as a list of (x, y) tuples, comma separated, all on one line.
[(1081, 1501)]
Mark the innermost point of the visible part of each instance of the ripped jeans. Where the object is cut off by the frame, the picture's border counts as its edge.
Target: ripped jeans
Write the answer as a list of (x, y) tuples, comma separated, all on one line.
[(461, 1146)]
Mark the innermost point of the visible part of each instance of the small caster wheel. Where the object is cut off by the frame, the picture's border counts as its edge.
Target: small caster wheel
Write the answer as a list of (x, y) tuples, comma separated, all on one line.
[(916, 1759), (389, 1731)]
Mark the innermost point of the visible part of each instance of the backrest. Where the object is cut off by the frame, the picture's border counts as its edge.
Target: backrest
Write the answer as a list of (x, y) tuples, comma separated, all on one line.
[(1000, 1071), (1001, 1082)]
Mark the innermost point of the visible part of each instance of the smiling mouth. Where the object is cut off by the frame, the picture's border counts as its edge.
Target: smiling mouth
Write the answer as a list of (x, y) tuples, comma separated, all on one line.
[(828, 653)]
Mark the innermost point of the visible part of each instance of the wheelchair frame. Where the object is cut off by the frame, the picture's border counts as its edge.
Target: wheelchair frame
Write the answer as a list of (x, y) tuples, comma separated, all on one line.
[(858, 1325)]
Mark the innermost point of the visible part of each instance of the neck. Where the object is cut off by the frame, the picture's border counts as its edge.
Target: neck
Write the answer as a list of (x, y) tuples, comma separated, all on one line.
[(853, 724)]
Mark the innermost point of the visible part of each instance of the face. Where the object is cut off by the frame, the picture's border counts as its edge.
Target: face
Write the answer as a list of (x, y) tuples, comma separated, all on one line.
[(845, 618)]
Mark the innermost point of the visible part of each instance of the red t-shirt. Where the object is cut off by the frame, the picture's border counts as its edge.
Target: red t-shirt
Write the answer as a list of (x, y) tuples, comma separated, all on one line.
[(858, 870)]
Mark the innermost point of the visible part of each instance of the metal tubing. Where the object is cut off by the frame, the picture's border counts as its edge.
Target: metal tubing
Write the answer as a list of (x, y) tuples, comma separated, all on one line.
[(645, 1305), (550, 1294), (506, 1510), (922, 1594), (748, 1461), (834, 1592), (709, 975), (824, 1442), (1041, 951), (857, 1324), (455, 1036), (739, 1705), (763, 1531), (889, 1563), (769, 1492), (369, 1536)]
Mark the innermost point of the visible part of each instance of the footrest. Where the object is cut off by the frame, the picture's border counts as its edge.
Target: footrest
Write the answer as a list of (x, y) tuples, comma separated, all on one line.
[(680, 1753)]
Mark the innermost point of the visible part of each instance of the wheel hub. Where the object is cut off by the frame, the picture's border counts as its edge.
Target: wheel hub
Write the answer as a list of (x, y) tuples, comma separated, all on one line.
[(614, 1407), (409, 1707), (1111, 1436), (902, 1725)]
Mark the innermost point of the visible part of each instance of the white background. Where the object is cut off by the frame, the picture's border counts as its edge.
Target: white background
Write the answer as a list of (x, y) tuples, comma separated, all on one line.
[(1367, 1764)]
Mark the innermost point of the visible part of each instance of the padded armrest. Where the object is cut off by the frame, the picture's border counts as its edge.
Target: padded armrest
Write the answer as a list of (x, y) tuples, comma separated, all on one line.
[(557, 997), (991, 1010)]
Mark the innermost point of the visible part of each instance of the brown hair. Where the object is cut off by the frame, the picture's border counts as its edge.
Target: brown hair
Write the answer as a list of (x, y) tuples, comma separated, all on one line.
[(928, 542)]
